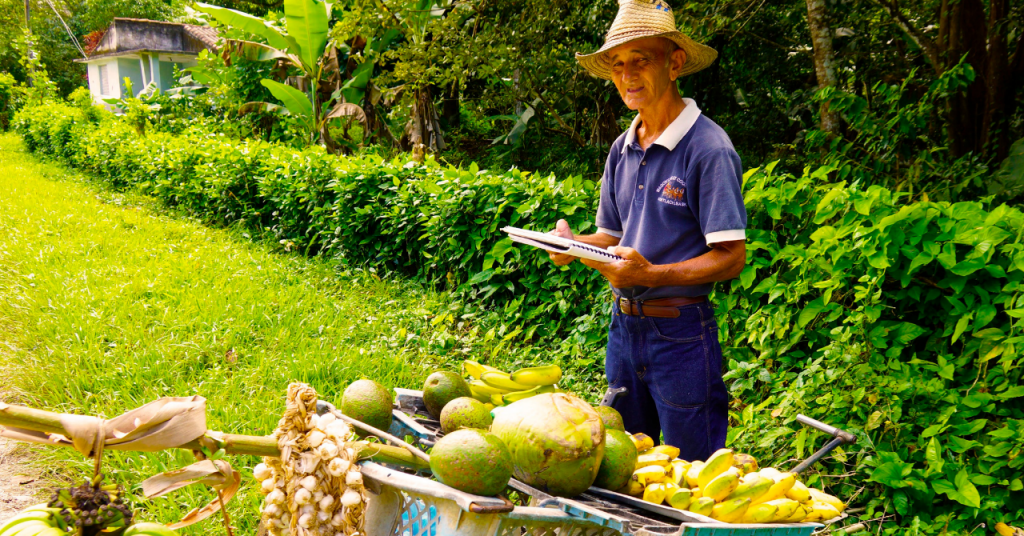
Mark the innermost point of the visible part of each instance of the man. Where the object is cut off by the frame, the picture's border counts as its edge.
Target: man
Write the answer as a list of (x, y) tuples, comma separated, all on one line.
[(671, 204)]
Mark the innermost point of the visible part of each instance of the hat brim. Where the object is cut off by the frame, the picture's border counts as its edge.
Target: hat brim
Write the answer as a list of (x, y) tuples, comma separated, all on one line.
[(698, 56)]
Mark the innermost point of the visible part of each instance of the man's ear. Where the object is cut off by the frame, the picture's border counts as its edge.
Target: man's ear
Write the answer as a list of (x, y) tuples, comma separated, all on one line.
[(676, 62)]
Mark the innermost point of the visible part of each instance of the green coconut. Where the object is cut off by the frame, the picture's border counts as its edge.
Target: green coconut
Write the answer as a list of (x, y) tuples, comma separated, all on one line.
[(619, 460), (473, 461), (611, 417), (556, 441), (465, 412)]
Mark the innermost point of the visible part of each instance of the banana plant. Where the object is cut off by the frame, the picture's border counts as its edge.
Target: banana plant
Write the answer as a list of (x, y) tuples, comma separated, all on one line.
[(302, 44)]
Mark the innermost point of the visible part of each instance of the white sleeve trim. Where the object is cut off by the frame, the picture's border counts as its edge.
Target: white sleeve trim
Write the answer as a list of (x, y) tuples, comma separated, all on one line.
[(725, 236), (616, 234)]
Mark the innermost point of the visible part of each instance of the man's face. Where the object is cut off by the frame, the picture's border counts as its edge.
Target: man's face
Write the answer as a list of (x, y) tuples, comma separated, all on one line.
[(644, 69)]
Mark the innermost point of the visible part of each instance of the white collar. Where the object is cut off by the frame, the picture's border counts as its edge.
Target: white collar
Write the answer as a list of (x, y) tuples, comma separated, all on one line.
[(675, 131)]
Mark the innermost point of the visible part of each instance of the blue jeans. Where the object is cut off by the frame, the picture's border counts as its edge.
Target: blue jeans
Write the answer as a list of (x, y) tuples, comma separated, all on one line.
[(673, 370)]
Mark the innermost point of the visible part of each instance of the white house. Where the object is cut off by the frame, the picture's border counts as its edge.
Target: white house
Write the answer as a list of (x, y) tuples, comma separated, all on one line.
[(144, 51)]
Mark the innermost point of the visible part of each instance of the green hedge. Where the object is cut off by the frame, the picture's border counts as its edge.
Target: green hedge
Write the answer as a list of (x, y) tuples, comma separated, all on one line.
[(900, 322)]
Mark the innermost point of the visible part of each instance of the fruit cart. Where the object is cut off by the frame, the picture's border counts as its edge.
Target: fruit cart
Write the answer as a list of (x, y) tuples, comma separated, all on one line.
[(404, 504)]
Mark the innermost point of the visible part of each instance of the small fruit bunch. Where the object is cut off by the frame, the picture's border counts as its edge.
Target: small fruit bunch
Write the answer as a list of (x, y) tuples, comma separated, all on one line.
[(93, 507), (325, 496), (727, 487), (497, 387)]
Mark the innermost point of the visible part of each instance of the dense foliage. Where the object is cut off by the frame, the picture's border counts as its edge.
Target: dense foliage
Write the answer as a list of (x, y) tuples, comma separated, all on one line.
[(899, 320)]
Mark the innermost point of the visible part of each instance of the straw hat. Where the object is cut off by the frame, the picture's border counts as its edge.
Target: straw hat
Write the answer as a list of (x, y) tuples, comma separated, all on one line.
[(637, 19)]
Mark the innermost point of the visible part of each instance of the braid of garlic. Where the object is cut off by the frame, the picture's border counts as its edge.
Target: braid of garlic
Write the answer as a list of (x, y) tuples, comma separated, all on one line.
[(315, 487)]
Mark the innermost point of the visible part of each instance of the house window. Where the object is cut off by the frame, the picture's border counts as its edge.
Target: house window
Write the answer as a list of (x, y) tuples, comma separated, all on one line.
[(106, 84)]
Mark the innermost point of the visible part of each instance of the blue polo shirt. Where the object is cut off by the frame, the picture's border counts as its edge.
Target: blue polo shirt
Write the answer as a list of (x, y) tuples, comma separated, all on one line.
[(672, 201)]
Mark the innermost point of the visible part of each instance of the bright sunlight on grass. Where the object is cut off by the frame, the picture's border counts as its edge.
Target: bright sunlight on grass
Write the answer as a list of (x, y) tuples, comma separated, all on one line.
[(106, 304)]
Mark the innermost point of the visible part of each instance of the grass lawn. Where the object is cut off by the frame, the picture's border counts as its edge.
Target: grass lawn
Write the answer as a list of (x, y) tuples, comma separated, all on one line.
[(108, 302)]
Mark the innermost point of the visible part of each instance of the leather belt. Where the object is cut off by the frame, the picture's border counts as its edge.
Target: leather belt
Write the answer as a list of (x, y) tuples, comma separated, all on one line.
[(659, 307)]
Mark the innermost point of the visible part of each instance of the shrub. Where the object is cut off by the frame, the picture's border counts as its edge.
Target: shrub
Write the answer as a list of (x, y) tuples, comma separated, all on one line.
[(899, 321)]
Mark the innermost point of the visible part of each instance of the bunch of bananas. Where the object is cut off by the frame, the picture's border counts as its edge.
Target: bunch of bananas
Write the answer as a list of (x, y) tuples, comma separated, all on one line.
[(45, 520), (493, 386), (38, 520), (727, 487)]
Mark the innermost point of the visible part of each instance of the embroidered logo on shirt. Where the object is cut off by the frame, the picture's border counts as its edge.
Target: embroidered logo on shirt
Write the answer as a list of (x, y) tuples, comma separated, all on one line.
[(673, 192)]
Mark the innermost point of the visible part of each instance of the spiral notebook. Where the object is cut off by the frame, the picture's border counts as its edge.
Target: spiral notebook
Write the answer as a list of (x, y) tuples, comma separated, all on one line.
[(558, 244)]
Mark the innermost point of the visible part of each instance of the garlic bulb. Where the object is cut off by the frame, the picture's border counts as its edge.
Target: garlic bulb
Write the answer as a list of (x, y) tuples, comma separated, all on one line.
[(276, 497), (303, 496), (309, 483), (315, 438), (262, 472), (351, 498), (354, 478), (268, 485)]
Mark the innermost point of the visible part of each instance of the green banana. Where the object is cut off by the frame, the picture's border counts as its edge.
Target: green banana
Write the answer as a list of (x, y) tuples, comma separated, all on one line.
[(544, 375), (51, 531), (26, 517), (27, 528), (149, 529), (501, 380)]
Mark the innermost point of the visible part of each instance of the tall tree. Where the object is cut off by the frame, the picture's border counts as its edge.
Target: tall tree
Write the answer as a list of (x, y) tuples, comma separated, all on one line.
[(824, 59)]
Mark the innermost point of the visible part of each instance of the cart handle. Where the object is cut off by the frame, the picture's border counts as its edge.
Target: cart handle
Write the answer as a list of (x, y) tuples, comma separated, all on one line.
[(839, 437)]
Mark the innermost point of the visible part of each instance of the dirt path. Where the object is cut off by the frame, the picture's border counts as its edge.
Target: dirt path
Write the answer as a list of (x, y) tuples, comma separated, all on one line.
[(20, 485)]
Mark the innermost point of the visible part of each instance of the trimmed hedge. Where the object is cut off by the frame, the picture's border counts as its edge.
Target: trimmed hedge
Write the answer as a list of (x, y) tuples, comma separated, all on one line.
[(900, 322)]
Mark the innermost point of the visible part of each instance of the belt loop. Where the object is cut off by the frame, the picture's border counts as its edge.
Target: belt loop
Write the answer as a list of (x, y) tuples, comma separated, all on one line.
[(640, 307)]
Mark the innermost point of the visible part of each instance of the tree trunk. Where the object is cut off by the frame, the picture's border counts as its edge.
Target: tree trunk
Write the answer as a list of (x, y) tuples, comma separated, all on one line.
[(824, 59), (967, 35), (995, 136), (424, 128), (450, 108)]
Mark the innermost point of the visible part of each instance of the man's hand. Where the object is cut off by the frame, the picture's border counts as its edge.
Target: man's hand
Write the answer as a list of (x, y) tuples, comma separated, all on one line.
[(633, 270), (562, 230)]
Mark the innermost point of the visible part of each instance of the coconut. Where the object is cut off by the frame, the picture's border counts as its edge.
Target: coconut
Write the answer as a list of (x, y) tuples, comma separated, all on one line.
[(556, 441)]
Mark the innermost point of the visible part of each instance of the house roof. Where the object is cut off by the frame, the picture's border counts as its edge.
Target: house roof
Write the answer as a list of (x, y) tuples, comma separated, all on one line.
[(130, 36)]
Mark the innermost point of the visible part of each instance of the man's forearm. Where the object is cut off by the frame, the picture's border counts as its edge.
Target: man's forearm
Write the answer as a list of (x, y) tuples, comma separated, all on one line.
[(601, 240), (725, 261)]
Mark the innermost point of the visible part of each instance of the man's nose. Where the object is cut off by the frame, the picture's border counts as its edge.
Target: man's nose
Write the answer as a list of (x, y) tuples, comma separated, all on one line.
[(628, 73)]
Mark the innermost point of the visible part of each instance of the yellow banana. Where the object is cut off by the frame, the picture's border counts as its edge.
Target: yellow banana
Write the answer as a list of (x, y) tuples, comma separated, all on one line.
[(502, 380), (474, 369), (752, 488), (702, 506), (778, 489), (633, 487), (820, 511), (821, 496), (798, 515), (516, 396), (652, 474), (771, 473), (677, 472), (544, 375), (714, 466), (759, 513), (693, 473), (798, 492), (745, 462), (669, 450), (497, 400), (478, 386), (652, 459), (642, 442), (785, 508), (696, 493), (670, 488), (655, 493), (722, 485), (1006, 530), (680, 498), (27, 517), (51, 531), (730, 511)]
